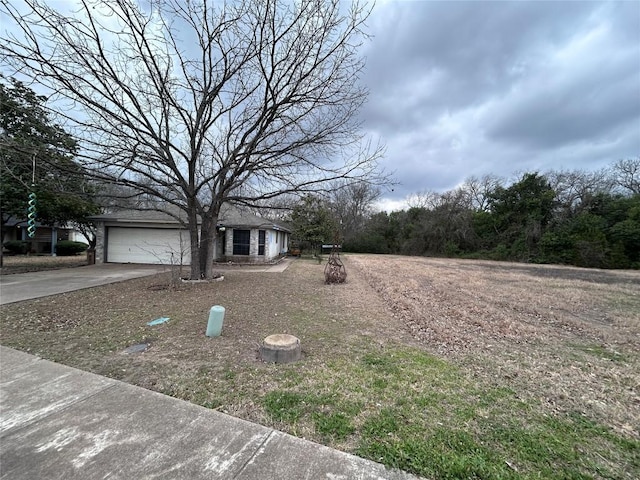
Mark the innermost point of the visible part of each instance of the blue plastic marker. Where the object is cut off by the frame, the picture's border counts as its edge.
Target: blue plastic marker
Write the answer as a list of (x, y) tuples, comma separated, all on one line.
[(158, 321)]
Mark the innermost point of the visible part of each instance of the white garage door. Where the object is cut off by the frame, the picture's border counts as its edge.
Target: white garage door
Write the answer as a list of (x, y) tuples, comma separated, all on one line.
[(147, 245)]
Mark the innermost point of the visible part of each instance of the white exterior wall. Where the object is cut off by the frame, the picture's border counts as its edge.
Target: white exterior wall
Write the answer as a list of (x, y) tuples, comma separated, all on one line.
[(271, 248), (279, 242), (76, 236)]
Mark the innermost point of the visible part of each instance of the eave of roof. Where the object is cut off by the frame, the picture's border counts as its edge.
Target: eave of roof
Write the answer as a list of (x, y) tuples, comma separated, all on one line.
[(230, 216)]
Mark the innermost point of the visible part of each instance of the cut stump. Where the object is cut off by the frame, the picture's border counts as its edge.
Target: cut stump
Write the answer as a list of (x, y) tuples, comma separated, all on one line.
[(280, 348)]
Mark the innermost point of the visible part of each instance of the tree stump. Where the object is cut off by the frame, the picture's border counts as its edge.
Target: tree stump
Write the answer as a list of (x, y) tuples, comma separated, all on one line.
[(280, 348)]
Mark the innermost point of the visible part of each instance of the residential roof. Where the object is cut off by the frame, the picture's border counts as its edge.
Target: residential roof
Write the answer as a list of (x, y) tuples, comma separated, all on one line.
[(230, 216)]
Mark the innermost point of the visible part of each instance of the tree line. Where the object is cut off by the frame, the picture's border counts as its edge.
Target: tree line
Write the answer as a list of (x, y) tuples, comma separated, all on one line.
[(577, 217)]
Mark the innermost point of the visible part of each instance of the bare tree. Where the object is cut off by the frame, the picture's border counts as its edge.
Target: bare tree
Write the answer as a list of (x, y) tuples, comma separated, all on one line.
[(479, 189), (575, 188), (277, 209), (352, 204), (626, 174), (196, 103), (427, 199)]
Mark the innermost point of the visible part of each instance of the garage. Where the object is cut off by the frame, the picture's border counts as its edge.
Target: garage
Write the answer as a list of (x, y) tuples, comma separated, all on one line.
[(160, 238), (164, 246)]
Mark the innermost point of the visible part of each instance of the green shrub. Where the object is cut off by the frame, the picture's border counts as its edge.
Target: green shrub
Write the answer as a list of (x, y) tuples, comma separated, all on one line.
[(366, 243), (17, 247), (500, 252), (451, 249), (66, 248)]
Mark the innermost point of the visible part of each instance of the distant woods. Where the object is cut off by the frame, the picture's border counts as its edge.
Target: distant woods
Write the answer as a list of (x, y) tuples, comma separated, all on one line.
[(577, 217)]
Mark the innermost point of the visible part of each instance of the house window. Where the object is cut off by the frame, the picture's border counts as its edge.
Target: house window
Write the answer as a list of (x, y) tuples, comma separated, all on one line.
[(261, 235), (241, 241)]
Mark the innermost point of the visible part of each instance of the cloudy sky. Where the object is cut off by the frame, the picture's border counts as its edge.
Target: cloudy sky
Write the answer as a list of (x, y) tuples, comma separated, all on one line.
[(462, 88), (471, 88)]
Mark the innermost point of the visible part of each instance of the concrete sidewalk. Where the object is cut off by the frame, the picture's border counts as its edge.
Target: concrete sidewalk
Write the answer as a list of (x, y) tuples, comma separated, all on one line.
[(57, 422)]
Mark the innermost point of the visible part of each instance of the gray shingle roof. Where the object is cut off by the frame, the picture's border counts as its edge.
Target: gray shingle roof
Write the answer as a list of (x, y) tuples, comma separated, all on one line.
[(230, 216)]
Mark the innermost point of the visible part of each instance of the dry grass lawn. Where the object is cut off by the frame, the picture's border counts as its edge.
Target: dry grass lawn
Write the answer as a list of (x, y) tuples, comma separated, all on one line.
[(35, 263), (445, 368), (565, 336)]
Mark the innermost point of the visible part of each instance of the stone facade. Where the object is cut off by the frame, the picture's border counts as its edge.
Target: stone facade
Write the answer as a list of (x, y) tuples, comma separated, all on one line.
[(253, 245), (100, 241), (254, 237)]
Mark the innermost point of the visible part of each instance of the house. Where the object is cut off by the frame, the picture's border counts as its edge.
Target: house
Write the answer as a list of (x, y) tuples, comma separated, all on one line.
[(135, 236), (46, 237)]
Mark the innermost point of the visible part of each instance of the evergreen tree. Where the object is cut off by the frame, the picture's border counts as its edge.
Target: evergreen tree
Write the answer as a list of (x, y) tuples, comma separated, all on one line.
[(29, 137)]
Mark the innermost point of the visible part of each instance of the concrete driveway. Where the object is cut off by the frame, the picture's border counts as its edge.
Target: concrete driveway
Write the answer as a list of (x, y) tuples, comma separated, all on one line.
[(25, 286)]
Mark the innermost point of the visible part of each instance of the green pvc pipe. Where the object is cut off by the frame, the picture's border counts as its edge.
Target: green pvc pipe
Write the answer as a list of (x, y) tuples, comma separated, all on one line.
[(216, 317)]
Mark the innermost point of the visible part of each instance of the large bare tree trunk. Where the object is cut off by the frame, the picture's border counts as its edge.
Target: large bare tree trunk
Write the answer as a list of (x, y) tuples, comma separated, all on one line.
[(194, 241), (210, 251), (207, 236)]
